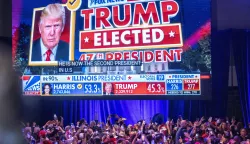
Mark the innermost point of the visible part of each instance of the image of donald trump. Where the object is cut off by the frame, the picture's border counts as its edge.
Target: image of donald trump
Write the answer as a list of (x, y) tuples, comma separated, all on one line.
[(108, 89), (49, 47)]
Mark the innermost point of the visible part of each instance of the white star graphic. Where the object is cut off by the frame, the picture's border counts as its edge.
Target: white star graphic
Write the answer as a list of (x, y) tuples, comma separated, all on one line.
[(86, 39), (171, 34)]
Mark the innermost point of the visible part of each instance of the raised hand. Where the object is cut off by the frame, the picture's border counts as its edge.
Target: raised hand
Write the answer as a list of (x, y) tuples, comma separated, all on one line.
[(180, 140), (202, 119), (233, 121), (218, 121), (186, 134), (168, 123), (109, 117), (209, 140), (48, 122), (78, 123), (210, 119), (116, 116)]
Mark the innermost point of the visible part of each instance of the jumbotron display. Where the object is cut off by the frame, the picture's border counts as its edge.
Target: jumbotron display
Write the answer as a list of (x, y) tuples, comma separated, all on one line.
[(113, 47)]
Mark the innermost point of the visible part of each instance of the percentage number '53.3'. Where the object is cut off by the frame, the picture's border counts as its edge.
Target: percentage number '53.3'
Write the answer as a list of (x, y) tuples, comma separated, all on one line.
[(90, 88)]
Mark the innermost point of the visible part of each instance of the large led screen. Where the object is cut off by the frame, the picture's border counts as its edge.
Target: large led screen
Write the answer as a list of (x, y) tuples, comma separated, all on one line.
[(113, 48)]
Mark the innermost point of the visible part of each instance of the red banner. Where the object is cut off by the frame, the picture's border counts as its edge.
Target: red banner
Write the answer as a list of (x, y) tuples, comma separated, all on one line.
[(191, 84), (160, 36)]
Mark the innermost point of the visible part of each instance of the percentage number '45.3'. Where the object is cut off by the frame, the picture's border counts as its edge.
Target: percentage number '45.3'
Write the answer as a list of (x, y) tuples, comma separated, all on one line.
[(155, 88)]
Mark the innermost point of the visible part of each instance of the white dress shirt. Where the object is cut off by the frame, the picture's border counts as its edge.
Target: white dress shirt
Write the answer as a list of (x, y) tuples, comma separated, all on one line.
[(44, 50)]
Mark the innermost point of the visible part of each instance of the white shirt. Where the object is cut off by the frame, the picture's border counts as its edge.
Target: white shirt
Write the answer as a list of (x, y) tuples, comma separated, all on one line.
[(44, 50)]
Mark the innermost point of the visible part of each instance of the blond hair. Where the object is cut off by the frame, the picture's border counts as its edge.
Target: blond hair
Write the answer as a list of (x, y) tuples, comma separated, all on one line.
[(108, 85), (55, 10)]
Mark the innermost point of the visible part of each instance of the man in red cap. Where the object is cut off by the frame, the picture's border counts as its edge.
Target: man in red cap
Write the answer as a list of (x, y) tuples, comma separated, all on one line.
[(43, 139)]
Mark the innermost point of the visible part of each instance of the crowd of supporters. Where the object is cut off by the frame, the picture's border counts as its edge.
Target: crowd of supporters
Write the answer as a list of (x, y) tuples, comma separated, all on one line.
[(200, 131)]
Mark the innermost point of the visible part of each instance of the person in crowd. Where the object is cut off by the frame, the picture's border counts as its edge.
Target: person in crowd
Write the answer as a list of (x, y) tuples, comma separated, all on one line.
[(248, 128), (180, 134), (244, 135), (181, 131)]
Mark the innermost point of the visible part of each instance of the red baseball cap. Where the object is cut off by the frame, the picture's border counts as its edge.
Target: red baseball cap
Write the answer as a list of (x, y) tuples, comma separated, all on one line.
[(204, 135), (47, 142), (42, 133)]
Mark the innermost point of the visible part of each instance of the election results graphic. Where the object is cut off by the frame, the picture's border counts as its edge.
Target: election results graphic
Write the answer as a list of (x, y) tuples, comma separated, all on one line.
[(102, 85), (115, 48)]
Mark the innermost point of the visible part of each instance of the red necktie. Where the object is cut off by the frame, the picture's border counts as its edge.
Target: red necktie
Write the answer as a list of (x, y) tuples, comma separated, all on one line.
[(48, 53)]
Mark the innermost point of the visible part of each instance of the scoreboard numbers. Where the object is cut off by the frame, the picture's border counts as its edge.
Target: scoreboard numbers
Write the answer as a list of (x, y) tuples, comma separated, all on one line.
[(143, 84)]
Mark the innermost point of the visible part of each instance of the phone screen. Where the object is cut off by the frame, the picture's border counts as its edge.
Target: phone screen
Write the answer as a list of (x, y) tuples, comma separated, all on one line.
[(55, 117)]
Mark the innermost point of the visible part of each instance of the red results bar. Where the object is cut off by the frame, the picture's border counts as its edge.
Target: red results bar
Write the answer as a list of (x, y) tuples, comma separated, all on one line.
[(161, 36), (191, 84), (129, 88), (138, 88)]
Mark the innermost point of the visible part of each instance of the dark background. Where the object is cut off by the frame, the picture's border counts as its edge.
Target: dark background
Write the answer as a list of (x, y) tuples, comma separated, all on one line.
[(5, 18)]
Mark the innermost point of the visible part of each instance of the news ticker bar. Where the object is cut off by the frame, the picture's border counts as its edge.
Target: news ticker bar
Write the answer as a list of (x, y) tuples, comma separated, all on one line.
[(99, 63), (68, 66), (84, 85)]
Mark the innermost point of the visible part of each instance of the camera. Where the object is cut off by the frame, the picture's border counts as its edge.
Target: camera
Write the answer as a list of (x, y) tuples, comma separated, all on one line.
[(96, 132), (197, 135), (28, 135), (211, 133), (55, 117)]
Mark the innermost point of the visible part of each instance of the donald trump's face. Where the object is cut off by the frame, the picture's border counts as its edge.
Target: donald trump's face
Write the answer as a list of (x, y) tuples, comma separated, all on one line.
[(51, 29), (108, 88)]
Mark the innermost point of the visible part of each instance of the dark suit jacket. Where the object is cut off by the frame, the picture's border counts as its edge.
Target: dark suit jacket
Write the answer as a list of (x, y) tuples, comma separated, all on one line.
[(104, 93), (62, 53)]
